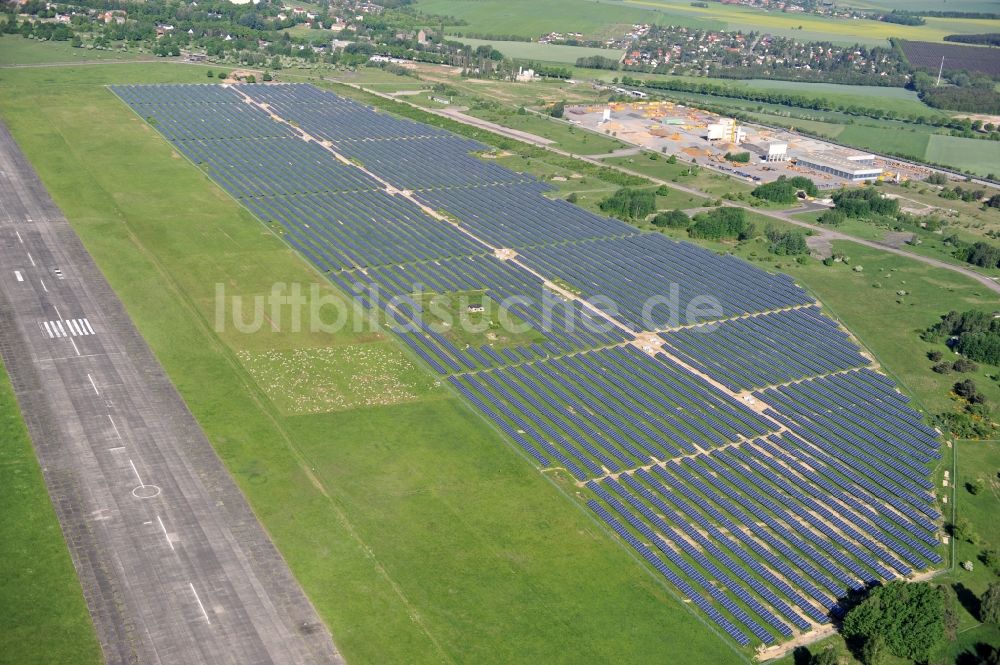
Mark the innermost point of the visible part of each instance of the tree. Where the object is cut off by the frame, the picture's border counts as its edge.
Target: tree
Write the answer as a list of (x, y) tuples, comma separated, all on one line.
[(557, 109), (721, 224), (268, 77), (908, 616), (630, 204), (222, 75), (674, 219), (934, 356), (989, 604), (874, 651), (950, 617), (210, 74), (969, 391), (831, 655), (572, 198)]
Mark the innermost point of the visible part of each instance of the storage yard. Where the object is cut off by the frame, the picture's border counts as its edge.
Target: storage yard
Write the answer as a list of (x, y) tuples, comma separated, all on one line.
[(705, 138), (763, 466)]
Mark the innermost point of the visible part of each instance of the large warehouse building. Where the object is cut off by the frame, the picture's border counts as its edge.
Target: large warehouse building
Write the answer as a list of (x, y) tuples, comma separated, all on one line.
[(856, 168)]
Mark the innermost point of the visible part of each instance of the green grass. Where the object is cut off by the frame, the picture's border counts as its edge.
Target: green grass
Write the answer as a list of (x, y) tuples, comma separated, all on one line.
[(543, 52), (16, 50), (526, 18), (419, 534), (703, 179), (44, 617), (982, 157), (564, 136), (913, 143)]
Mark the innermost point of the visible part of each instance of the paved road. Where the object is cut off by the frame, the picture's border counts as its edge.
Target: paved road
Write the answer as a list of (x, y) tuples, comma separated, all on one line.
[(174, 565)]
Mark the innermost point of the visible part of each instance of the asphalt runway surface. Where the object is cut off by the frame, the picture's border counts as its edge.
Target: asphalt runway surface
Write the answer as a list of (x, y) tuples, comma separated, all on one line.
[(175, 567)]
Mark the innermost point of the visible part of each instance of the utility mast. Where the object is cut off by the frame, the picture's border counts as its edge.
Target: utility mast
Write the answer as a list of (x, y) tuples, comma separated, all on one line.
[(940, 70)]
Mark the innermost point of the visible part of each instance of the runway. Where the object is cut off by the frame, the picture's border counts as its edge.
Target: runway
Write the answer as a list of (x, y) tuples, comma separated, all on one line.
[(175, 567)]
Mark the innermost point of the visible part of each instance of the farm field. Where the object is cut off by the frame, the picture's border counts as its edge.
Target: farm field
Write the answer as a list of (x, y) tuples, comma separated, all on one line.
[(820, 28), (542, 52), (45, 618), (901, 141), (928, 56), (982, 157), (385, 476)]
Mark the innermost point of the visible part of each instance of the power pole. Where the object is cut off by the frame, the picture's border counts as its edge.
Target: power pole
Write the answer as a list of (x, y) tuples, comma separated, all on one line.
[(940, 70)]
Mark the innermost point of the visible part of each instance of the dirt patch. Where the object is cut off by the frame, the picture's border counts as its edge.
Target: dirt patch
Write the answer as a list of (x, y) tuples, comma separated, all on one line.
[(897, 238), (820, 246)]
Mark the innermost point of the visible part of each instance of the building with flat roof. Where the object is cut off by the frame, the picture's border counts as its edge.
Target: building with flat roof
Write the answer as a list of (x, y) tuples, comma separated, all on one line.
[(848, 169)]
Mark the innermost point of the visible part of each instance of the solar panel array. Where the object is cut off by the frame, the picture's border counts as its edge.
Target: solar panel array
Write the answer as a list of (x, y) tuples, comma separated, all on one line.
[(762, 508)]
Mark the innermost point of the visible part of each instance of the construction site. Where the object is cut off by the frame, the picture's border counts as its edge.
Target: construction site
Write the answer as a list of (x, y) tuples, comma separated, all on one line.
[(754, 153)]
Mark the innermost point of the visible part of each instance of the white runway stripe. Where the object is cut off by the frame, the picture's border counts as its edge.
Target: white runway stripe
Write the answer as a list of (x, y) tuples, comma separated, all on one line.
[(72, 328)]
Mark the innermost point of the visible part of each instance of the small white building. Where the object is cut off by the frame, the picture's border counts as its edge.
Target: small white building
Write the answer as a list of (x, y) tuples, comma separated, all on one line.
[(525, 75)]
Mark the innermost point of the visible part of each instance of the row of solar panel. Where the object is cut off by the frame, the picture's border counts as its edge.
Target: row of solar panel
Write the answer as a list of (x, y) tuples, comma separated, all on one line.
[(766, 349)]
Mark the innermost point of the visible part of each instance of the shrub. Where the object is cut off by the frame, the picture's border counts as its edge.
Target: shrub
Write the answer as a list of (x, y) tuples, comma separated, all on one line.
[(674, 219)]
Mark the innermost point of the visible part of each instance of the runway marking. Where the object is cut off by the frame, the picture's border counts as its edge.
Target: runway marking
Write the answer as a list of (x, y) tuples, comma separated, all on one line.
[(48, 329), (142, 490), (112, 450), (116, 431), (17, 273), (202, 607), (44, 288), (19, 238), (167, 536), (135, 471), (73, 342), (94, 386), (30, 259), (73, 327)]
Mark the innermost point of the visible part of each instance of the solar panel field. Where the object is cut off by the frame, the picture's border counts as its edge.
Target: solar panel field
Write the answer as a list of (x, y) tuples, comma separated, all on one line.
[(757, 460)]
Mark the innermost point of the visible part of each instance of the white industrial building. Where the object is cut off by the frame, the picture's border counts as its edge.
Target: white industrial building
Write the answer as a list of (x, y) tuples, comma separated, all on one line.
[(857, 168), (726, 130)]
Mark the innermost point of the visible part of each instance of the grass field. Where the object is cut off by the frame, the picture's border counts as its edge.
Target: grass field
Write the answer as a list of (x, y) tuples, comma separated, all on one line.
[(44, 618), (982, 157), (424, 537), (543, 52), (16, 50), (913, 143), (525, 18), (565, 136)]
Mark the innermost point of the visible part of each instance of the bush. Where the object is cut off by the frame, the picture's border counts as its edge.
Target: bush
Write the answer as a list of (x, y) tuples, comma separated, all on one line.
[(942, 368), (832, 217), (722, 224), (739, 157), (989, 604), (964, 365), (572, 198), (663, 190), (674, 219), (785, 190), (786, 243), (222, 75), (210, 74), (630, 204), (934, 356)]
